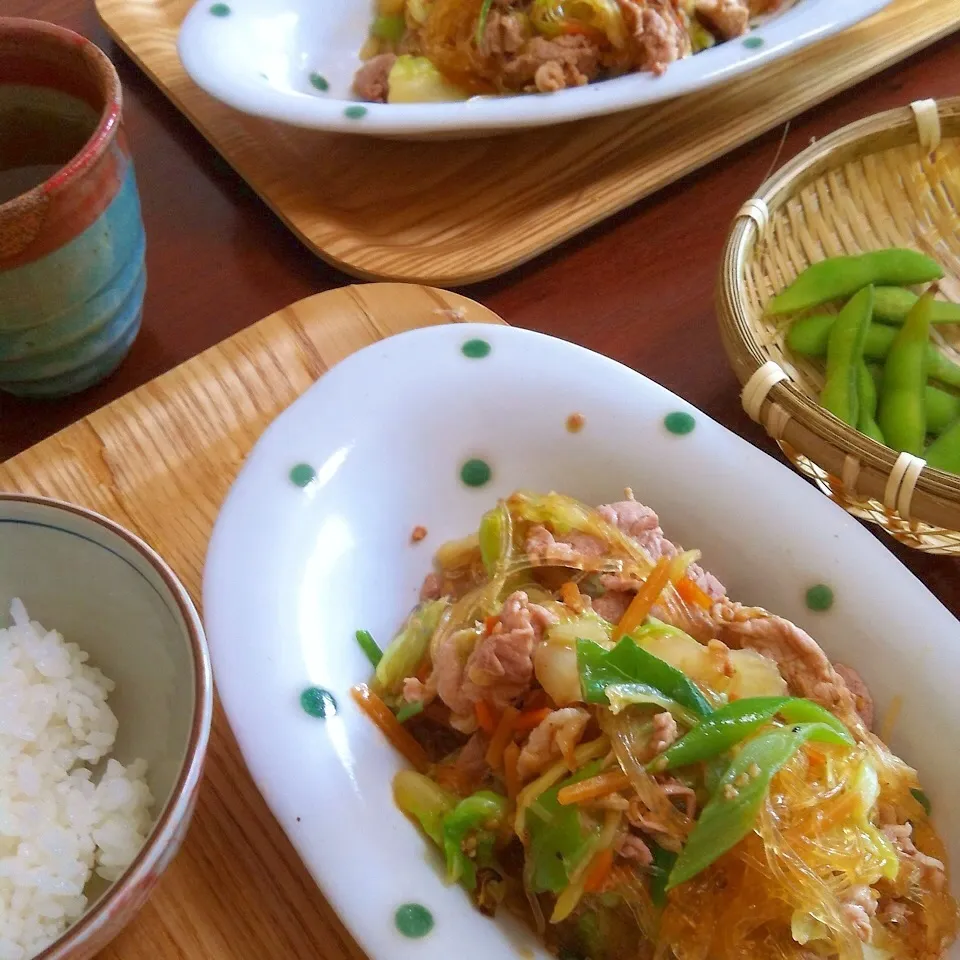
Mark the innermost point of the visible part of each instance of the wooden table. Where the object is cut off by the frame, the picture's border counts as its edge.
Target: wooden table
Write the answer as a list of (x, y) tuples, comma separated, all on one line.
[(638, 288)]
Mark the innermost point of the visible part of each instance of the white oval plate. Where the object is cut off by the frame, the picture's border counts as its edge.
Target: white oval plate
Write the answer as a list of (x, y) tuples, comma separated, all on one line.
[(292, 572), (263, 57)]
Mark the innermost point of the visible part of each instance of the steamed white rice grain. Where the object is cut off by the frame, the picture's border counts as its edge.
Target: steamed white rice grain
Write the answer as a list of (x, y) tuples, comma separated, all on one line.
[(60, 821)]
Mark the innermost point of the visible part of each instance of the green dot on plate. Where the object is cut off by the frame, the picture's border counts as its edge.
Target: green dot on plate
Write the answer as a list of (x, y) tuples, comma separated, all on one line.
[(820, 597), (753, 43), (413, 920), (355, 113), (303, 475), (320, 82), (220, 10), (475, 473), (318, 703), (476, 349), (679, 423)]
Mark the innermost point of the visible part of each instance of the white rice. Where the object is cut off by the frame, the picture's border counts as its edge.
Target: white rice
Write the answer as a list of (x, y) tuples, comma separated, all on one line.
[(60, 822)]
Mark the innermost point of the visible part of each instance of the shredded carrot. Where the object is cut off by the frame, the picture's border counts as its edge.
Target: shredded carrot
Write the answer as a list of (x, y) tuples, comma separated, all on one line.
[(501, 737), (489, 623), (598, 786), (485, 717), (598, 871), (391, 728), (511, 776), (530, 719), (692, 593), (814, 754), (570, 595), (646, 597)]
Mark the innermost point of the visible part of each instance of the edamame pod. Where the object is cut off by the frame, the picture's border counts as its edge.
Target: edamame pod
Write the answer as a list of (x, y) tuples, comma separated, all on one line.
[(839, 277), (942, 409), (867, 392), (901, 414), (892, 304), (944, 452), (840, 394), (809, 336)]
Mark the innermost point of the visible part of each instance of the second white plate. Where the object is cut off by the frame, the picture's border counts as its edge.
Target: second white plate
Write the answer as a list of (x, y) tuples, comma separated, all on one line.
[(294, 61)]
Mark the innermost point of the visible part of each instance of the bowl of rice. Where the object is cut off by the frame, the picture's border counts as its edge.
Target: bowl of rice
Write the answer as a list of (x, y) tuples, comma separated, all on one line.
[(105, 707)]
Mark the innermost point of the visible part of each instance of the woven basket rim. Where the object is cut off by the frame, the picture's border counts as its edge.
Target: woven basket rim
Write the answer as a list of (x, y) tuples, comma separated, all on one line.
[(936, 498)]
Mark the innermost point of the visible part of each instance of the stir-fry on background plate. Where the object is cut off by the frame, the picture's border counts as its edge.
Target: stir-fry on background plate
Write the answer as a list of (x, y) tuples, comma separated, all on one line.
[(294, 61), (314, 542)]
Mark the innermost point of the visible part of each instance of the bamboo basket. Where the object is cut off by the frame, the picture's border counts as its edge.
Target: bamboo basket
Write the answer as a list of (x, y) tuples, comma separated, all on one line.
[(891, 180)]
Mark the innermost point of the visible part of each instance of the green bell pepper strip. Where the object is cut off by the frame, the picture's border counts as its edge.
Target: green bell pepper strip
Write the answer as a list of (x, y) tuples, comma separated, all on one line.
[(480, 816), (730, 724), (901, 413), (839, 277), (922, 799), (867, 395), (840, 394), (629, 663), (660, 869), (800, 710), (409, 710), (809, 336), (369, 646), (731, 814), (892, 304)]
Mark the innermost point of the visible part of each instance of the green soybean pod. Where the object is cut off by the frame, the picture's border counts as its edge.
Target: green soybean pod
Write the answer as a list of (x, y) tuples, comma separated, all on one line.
[(901, 415), (840, 394), (839, 277), (944, 452), (809, 336), (892, 304), (867, 392), (942, 409)]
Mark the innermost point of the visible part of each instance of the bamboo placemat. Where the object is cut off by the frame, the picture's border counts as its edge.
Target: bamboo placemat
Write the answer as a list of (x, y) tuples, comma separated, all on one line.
[(458, 212), (160, 462)]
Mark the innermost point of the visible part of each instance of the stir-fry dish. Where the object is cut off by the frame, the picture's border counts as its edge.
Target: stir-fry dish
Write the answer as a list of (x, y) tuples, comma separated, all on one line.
[(601, 741), (435, 50)]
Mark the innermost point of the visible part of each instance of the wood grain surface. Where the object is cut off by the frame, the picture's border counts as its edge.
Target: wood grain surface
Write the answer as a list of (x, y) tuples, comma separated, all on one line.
[(458, 212), (160, 461)]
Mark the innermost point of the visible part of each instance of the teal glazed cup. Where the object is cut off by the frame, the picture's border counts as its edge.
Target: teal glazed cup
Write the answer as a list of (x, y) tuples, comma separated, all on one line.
[(72, 273)]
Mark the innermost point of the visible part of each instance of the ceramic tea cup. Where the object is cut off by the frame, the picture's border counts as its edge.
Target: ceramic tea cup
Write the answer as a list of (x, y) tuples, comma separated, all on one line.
[(72, 271)]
